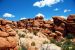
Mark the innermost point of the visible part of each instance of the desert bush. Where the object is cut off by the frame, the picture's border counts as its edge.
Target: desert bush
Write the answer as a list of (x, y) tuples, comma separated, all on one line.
[(69, 36), (58, 43), (68, 45), (31, 37), (33, 44), (35, 32), (17, 31), (64, 44), (22, 48), (45, 42), (19, 48), (21, 35), (53, 40)]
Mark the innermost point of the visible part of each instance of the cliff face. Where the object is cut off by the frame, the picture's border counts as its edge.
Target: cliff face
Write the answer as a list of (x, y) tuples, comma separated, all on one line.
[(57, 29)]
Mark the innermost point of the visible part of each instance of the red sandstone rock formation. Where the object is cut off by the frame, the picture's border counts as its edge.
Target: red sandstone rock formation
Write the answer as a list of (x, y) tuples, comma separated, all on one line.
[(59, 24), (55, 29), (71, 23), (7, 36)]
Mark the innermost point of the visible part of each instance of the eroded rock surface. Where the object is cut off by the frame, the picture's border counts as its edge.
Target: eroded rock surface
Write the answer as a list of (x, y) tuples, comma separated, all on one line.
[(71, 23), (7, 36)]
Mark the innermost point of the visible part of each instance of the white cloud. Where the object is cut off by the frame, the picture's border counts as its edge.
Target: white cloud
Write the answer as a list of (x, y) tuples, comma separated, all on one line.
[(49, 3), (8, 15), (56, 9), (40, 14), (22, 18), (66, 10)]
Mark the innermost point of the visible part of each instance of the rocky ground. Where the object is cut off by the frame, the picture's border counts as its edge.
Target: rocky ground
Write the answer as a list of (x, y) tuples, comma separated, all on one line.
[(38, 34)]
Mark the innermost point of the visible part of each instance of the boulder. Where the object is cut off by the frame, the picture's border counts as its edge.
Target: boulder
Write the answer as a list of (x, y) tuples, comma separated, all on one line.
[(0, 22), (59, 24), (53, 35), (12, 41), (58, 20), (8, 37), (73, 40), (3, 34), (36, 23), (4, 43), (59, 36), (39, 18), (48, 22), (48, 26), (16, 48), (46, 32), (10, 30), (59, 33), (20, 24), (71, 18), (70, 25), (59, 28), (4, 22), (2, 28), (14, 23), (12, 33)]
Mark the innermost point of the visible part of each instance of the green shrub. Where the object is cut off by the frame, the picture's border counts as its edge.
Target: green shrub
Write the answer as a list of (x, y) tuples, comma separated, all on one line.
[(22, 48), (19, 48), (53, 41), (68, 45), (45, 42), (21, 35), (58, 43), (17, 31), (70, 36)]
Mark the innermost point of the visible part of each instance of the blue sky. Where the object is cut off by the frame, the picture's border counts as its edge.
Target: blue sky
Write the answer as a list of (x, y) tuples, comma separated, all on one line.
[(19, 9)]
